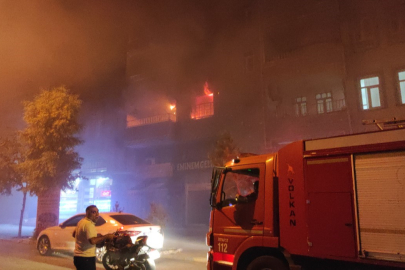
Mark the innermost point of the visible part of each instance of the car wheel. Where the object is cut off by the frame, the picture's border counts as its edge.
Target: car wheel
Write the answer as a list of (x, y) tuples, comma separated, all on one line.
[(44, 246)]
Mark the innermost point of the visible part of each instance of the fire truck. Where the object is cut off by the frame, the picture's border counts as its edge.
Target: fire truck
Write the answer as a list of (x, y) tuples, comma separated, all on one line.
[(338, 200)]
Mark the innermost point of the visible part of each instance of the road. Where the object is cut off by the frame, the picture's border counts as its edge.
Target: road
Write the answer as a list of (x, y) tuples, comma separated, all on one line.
[(16, 255)]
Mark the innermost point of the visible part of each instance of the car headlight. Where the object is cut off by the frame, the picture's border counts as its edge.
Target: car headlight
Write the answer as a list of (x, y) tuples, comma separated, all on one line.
[(155, 240)]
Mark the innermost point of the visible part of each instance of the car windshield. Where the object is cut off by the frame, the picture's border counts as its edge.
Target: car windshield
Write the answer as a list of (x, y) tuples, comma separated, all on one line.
[(129, 219)]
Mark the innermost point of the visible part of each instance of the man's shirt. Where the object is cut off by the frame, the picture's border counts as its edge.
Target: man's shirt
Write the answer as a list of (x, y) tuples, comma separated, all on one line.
[(85, 230)]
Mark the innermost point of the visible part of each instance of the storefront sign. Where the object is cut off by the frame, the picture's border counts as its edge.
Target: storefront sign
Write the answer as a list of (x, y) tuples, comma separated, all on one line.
[(195, 165)]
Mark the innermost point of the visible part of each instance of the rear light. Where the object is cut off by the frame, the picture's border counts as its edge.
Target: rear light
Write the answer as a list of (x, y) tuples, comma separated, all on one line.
[(218, 256)]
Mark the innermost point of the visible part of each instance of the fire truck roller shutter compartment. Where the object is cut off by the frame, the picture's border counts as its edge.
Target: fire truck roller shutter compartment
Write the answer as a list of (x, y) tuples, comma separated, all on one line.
[(380, 188)]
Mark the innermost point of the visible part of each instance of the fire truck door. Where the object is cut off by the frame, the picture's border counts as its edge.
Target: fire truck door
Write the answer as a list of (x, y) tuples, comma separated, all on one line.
[(331, 223), (241, 212)]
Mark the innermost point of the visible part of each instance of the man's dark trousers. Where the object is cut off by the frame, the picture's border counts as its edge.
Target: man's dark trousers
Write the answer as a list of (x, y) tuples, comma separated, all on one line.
[(85, 263)]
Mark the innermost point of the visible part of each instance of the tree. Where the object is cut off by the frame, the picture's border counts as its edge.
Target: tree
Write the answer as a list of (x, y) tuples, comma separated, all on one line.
[(42, 156), (50, 138), (224, 151), (157, 215), (11, 156)]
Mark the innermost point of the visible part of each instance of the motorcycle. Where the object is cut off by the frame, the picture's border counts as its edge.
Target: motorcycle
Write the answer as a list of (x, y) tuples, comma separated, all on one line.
[(121, 253)]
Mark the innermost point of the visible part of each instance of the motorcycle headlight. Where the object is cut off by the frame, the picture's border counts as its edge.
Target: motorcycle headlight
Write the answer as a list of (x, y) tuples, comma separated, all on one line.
[(155, 240)]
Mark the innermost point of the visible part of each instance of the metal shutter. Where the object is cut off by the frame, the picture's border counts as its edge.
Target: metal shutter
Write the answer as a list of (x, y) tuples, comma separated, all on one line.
[(380, 190)]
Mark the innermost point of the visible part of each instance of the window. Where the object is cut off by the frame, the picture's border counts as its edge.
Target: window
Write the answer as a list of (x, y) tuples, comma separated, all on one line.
[(301, 106), (240, 183), (370, 93), (365, 33), (396, 27), (73, 221), (100, 221), (324, 102), (204, 105), (401, 78), (129, 219)]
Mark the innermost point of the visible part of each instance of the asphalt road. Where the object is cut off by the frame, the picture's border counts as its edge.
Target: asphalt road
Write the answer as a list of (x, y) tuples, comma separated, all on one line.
[(15, 255)]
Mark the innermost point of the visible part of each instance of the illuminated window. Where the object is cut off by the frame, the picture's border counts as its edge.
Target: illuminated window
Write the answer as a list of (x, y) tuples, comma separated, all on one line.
[(301, 106), (370, 93), (324, 102), (401, 78), (204, 105)]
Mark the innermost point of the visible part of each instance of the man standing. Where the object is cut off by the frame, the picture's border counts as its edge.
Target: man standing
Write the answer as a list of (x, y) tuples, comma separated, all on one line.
[(86, 240)]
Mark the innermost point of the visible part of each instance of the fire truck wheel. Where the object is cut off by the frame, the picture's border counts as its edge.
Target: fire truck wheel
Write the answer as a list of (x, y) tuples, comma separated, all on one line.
[(267, 262)]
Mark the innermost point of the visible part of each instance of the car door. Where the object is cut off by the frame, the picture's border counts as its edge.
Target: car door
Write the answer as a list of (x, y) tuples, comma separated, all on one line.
[(63, 238), (235, 220)]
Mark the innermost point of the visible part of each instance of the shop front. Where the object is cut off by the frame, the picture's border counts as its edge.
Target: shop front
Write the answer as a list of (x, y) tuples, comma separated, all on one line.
[(94, 190)]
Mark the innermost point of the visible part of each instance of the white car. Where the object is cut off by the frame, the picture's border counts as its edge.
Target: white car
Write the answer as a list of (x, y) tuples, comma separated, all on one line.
[(60, 237)]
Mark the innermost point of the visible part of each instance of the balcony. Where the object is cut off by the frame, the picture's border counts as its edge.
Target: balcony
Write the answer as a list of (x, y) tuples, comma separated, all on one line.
[(150, 131), (135, 122)]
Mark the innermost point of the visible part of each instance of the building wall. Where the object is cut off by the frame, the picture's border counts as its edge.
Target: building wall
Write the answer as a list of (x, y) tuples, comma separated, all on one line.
[(260, 57)]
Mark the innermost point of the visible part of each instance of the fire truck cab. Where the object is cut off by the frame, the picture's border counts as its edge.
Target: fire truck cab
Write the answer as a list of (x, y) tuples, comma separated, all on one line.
[(333, 199)]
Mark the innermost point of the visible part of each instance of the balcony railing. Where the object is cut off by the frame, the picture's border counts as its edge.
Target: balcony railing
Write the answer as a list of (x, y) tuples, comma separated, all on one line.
[(135, 122)]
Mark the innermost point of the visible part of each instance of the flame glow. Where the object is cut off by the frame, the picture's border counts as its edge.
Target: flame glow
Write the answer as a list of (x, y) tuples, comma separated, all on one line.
[(207, 91), (204, 105)]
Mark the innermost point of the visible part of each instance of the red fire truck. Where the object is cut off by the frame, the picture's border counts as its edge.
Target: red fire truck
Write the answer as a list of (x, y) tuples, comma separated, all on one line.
[(338, 200)]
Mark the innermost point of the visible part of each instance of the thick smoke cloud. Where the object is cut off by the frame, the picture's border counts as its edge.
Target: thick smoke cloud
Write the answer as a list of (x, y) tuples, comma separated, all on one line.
[(80, 44)]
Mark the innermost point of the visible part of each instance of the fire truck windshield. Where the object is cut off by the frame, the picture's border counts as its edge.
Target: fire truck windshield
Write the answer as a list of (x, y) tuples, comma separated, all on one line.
[(240, 184)]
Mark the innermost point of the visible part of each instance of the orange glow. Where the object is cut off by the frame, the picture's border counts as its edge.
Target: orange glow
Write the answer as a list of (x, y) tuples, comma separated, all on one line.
[(207, 91), (172, 107), (204, 105)]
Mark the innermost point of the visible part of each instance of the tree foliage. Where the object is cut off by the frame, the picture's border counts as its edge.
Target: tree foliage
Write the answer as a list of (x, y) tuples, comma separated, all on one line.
[(11, 155), (225, 150), (158, 215), (42, 156), (50, 137)]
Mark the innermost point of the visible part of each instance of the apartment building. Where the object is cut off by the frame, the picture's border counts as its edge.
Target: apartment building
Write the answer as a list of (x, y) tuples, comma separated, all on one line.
[(268, 72)]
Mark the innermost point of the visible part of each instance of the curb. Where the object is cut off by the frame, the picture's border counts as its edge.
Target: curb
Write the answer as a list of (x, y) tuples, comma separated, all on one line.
[(18, 240)]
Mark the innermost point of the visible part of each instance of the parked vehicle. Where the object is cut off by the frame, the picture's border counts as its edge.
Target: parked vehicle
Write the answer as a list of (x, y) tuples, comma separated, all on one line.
[(339, 199), (60, 237), (121, 253)]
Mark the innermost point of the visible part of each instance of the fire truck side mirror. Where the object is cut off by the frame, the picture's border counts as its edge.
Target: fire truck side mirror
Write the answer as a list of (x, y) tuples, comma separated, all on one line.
[(212, 199)]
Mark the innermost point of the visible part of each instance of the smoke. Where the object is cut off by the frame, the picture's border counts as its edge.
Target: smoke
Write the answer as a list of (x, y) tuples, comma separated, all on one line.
[(80, 44), (170, 41)]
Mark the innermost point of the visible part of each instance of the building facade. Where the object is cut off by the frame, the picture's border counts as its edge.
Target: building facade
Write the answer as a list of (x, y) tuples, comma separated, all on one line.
[(268, 72)]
